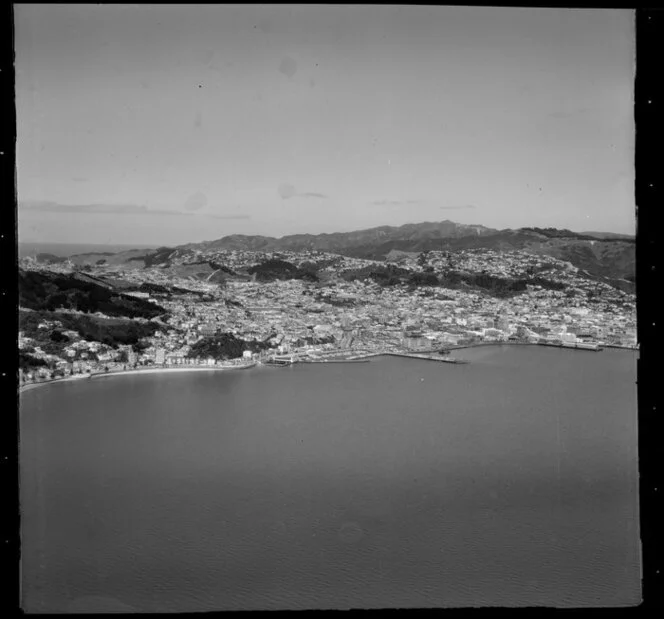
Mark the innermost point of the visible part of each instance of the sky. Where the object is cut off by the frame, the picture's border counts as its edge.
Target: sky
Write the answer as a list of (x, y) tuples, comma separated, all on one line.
[(173, 124)]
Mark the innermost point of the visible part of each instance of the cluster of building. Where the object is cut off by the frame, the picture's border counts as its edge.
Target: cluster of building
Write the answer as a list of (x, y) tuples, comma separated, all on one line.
[(333, 315)]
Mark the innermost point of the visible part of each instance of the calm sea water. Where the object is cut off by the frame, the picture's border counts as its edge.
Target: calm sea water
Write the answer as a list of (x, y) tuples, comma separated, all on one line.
[(509, 481)]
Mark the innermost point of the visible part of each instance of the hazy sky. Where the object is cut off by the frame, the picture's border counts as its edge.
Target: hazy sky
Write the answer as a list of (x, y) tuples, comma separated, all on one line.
[(173, 124)]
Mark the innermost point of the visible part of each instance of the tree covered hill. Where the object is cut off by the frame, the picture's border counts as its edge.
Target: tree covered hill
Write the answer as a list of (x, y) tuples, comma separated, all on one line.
[(110, 331), (53, 291), (272, 270), (225, 346)]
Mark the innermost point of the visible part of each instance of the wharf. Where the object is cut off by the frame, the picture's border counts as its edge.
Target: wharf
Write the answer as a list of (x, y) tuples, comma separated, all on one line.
[(620, 346), (424, 357), (590, 347), (277, 363), (335, 361), (568, 346), (427, 357)]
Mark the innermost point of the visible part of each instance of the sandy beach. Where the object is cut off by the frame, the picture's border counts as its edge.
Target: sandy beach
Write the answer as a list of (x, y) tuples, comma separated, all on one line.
[(151, 370)]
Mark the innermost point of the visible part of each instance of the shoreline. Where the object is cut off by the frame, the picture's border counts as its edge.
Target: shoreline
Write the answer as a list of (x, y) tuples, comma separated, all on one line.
[(551, 344), (149, 370), (362, 358)]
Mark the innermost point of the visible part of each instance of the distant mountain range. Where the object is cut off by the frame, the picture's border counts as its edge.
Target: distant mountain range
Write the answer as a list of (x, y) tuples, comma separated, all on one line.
[(608, 235), (32, 248), (606, 256), (410, 237), (340, 242)]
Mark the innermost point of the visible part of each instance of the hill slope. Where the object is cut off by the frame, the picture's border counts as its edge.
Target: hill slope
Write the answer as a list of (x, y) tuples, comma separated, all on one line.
[(610, 257), (53, 291), (338, 242)]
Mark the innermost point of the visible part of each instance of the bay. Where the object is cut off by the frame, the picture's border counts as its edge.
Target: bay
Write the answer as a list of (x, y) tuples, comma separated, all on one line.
[(509, 481)]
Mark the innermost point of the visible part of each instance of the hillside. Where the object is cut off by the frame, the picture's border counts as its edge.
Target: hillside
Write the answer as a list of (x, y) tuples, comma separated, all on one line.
[(610, 257), (109, 258), (272, 270), (109, 331), (609, 235), (340, 241), (607, 256), (53, 291)]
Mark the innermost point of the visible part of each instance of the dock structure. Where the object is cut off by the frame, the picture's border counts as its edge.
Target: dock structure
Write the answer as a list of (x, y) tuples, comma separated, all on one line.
[(567, 345), (572, 345), (424, 357), (273, 361), (361, 357), (336, 361), (622, 347)]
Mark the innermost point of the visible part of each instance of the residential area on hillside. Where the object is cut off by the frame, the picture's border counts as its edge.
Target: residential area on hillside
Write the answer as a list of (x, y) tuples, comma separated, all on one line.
[(432, 301)]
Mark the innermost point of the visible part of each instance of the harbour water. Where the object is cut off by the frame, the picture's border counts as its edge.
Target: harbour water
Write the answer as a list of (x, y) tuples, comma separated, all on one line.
[(507, 481)]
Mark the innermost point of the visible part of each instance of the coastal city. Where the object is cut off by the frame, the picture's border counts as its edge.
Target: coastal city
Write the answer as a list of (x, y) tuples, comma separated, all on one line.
[(342, 310), (327, 307)]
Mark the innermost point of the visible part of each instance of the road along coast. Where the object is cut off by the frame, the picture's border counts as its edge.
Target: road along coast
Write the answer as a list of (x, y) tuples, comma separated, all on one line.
[(149, 370)]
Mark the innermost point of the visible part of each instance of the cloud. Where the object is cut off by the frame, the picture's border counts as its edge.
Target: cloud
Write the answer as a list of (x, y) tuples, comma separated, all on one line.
[(79, 179), (395, 202), (118, 209), (157, 211), (287, 191), (312, 194), (237, 216), (195, 202), (54, 207), (457, 208)]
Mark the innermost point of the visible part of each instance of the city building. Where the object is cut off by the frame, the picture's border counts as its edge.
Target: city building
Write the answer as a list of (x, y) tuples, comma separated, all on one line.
[(208, 329)]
